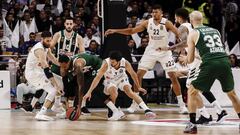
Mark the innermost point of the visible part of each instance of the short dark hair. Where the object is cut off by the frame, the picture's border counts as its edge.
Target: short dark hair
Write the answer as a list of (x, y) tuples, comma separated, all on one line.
[(115, 55), (68, 18), (46, 34), (157, 7), (63, 58), (182, 12)]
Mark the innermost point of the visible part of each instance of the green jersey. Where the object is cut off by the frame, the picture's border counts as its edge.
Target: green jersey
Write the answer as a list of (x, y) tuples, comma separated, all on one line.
[(91, 60), (209, 44)]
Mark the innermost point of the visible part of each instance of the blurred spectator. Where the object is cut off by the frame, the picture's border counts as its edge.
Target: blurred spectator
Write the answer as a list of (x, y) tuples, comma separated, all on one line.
[(132, 46), (141, 49), (57, 24), (232, 23), (89, 36), (23, 49), (148, 12), (5, 42), (27, 26), (93, 48), (43, 24), (11, 21), (234, 61), (32, 8), (96, 22), (79, 26)]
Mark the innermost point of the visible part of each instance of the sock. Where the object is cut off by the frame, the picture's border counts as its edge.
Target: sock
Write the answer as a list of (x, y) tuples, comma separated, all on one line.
[(203, 112), (143, 106), (34, 101), (83, 103), (70, 103), (217, 107), (180, 101), (238, 115), (57, 101), (112, 106), (43, 110), (192, 117)]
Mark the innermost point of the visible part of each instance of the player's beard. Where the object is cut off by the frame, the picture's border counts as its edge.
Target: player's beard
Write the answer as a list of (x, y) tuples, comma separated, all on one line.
[(45, 45), (69, 30)]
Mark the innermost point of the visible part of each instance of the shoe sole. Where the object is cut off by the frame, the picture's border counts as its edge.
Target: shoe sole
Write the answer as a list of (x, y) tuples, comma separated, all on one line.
[(86, 114), (25, 111), (222, 119), (192, 132)]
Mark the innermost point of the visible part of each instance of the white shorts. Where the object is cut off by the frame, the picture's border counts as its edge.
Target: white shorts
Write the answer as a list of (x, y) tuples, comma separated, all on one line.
[(117, 84), (148, 61), (193, 72), (39, 80)]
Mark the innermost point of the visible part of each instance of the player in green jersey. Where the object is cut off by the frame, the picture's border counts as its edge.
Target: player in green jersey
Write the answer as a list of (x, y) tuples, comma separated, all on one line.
[(215, 65)]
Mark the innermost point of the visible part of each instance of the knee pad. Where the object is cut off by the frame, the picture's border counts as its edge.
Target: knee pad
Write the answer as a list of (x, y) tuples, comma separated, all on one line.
[(38, 93)]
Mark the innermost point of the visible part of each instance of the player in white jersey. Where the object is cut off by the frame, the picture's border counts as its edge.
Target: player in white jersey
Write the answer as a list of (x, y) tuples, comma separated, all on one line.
[(181, 17), (157, 28), (38, 74), (114, 71)]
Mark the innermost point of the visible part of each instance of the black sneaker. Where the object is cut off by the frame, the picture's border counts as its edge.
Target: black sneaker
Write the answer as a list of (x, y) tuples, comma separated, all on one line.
[(149, 114), (222, 116), (110, 113), (85, 111), (204, 120), (18, 106), (27, 109), (190, 128)]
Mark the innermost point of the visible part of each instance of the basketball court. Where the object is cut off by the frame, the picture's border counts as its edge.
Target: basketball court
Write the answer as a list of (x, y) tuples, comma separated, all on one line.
[(168, 122)]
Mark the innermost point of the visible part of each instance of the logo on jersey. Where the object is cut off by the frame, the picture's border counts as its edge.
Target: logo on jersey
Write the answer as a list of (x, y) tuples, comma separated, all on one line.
[(161, 27)]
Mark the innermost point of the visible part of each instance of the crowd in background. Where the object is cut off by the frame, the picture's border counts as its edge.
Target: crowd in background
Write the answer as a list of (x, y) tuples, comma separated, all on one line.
[(30, 17)]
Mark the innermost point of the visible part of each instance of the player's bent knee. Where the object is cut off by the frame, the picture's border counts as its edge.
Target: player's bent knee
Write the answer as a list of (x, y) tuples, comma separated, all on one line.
[(51, 95)]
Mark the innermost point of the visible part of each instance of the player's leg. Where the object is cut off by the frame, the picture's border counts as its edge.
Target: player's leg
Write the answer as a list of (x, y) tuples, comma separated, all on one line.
[(203, 81), (148, 113), (147, 62), (222, 114), (169, 66), (21, 90), (41, 115), (111, 91), (226, 79)]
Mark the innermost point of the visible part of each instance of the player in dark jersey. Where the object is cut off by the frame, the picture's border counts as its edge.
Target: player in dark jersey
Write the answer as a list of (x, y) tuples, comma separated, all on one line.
[(215, 65)]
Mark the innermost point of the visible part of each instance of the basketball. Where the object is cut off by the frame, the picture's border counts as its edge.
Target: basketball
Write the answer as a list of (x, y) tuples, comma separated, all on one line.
[(73, 113)]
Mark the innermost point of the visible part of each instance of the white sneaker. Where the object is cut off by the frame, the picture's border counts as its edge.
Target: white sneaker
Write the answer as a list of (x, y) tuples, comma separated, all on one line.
[(57, 108), (133, 107), (43, 117), (150, 115), (183, 110), (116, 116), (61, 115)]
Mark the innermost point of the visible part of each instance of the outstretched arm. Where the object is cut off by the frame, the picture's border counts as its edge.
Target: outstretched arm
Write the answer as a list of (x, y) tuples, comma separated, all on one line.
[(128, 31), (96, 80), (134, 77)]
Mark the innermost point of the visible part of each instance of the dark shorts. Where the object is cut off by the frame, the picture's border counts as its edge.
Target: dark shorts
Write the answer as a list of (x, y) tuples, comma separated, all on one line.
[(70, 87), (211, 70)]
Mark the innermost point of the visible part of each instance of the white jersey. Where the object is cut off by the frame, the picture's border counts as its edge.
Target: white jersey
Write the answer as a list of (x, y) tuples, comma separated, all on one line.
[(113, 74), (32, 61), (188, 26), (197, 59), (158, 36)]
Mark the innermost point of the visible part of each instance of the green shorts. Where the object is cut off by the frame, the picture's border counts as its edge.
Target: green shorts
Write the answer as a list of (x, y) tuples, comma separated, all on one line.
[(55, 69), (211, 70)]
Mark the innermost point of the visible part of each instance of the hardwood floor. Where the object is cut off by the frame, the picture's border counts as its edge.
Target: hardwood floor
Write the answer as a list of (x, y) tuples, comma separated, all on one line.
[(168, 122)]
